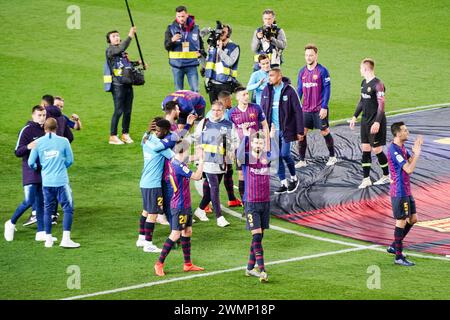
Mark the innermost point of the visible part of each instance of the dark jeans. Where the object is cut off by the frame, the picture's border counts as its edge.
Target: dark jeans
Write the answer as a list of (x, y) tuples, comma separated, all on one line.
[(285, 157), (215, 89), (123, 102), (35, 198), (213, 179), (228, 183)]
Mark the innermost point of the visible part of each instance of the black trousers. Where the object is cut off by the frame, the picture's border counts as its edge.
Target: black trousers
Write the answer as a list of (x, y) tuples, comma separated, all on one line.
[(123, 103)]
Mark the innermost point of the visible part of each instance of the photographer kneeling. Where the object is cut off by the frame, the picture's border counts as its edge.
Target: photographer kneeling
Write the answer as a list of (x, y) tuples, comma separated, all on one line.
[(222, 62)]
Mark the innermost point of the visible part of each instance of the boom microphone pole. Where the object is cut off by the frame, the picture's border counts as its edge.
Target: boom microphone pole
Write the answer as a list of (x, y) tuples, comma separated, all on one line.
[(137, 41)]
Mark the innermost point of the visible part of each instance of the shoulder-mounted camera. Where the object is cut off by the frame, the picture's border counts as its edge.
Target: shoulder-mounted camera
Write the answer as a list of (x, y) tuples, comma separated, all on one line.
[(214, 34)]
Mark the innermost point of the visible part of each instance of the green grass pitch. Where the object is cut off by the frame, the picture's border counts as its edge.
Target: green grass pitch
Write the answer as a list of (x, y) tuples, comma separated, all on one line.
[(40, 55)]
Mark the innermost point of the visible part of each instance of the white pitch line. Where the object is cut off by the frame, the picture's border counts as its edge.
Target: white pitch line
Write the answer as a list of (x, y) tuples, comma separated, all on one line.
[(300, 234), (345, 243), (403, 111), (418, 255), (420, 107), (213, 273), (330, 253), (396, 113), (356, 247)]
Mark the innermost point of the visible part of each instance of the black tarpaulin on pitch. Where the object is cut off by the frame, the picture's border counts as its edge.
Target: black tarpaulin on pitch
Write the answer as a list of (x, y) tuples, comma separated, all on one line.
[(328, 198)]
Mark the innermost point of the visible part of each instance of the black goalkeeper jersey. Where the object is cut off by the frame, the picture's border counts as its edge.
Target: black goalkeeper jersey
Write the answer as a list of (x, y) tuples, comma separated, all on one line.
[(372, 101)]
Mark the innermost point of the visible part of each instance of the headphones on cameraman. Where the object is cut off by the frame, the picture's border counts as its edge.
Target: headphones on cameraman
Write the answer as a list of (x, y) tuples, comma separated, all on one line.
[(108, 40)]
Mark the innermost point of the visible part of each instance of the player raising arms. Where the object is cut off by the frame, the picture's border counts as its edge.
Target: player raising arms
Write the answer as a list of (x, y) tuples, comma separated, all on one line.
[(181, 207), (373, 122), (249, 115), (255, 159)]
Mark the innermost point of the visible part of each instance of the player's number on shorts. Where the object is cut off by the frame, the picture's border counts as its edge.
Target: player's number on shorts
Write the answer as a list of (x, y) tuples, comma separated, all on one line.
[(406, 207), (160, 201), (250, 220), (183, 219)]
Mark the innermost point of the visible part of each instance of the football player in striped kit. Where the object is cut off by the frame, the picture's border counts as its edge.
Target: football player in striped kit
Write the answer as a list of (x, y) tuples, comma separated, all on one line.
[(314, 87), (255, 158)]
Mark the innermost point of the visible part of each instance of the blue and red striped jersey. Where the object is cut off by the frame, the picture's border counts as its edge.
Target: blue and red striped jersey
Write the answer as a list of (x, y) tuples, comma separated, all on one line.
[(180, 175), (400, 182), (253, 116), (314, 86), (188, 101)]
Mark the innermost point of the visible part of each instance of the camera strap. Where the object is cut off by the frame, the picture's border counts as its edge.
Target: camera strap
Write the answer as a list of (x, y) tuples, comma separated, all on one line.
[(224, 145)]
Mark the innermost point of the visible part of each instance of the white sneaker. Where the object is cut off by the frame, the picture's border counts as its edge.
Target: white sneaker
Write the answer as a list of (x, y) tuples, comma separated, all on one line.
[(263, 277), (365, 183), (68, 243), (382, 180), (331, 161), (301, 164), (151, 248), (115, 140), (141, 241), (162, 219), (40, 236), (252, 273), (9, 230), (48, 241), (201, 214), (222, 222), (125, 137)]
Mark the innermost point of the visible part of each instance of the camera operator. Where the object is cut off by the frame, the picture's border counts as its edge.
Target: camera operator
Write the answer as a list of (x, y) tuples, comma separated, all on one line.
[(222, 62), (185, 47), (269, 39), (121, 86)]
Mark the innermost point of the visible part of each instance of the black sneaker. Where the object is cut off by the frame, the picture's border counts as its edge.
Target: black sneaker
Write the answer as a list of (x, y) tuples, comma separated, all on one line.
[(55, 218), (293, 185), (391, 250), (282, 189), (404, 262), (31, 220)]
